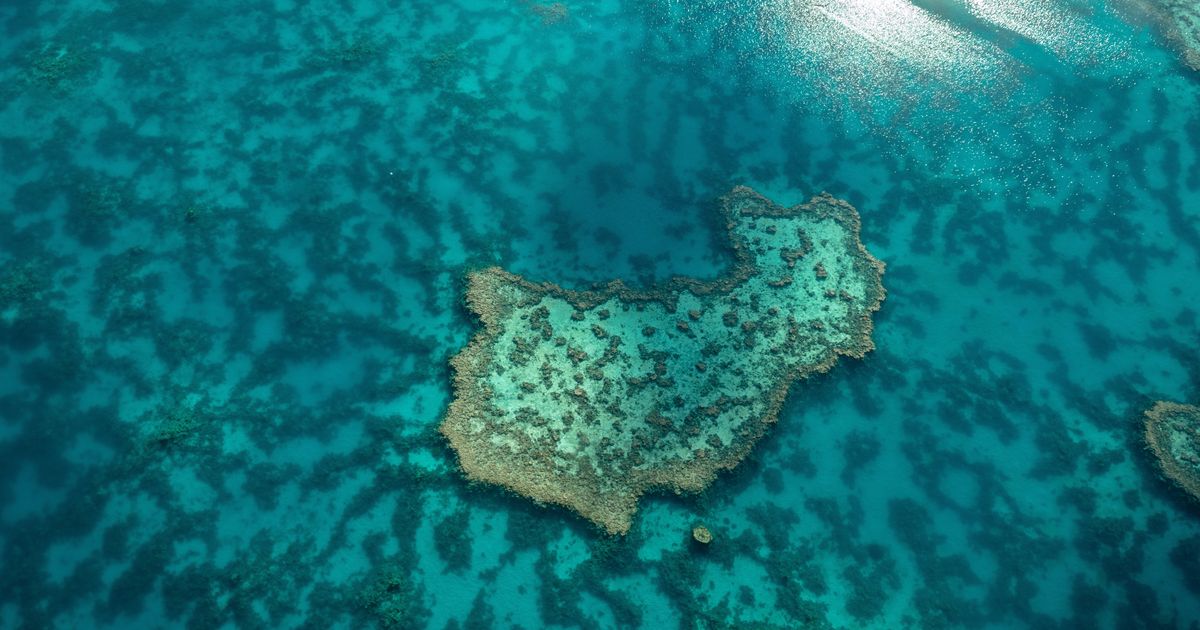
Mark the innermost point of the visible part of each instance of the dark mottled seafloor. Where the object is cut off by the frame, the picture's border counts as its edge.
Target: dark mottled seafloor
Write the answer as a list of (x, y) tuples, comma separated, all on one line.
[(232, 243)]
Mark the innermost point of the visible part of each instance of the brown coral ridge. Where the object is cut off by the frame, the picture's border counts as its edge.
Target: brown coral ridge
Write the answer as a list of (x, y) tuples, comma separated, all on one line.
[(537, 413), (1173, 435)]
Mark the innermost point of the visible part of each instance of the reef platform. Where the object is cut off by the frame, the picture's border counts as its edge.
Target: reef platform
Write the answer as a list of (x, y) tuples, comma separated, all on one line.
[(1173, 435), (588, 399)]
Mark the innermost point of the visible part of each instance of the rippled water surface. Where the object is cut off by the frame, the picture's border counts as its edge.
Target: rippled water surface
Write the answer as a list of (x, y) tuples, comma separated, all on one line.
[(232, 243)]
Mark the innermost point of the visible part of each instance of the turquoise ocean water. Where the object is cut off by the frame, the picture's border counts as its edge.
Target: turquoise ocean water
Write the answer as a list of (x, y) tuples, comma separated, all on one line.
[(232, 243)]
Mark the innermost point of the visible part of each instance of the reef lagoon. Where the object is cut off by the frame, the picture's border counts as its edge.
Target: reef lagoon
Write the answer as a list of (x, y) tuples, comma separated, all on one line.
[(247, 253)]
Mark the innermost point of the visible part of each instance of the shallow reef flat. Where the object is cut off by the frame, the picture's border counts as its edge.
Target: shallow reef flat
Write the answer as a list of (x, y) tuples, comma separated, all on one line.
[(1179, 21), (587, 399), (1173, 434)]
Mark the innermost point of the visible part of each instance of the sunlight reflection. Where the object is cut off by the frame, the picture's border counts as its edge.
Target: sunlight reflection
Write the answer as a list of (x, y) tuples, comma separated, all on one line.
[(882, 40)]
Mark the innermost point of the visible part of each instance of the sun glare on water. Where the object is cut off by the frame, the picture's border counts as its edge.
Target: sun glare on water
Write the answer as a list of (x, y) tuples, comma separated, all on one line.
[(953, 43)]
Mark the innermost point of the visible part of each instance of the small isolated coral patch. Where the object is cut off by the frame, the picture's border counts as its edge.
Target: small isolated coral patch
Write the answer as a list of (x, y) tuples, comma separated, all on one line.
[(551, 12)]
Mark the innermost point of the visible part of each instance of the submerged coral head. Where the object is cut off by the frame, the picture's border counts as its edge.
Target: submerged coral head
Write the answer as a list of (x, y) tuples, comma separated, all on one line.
[(587, 399)]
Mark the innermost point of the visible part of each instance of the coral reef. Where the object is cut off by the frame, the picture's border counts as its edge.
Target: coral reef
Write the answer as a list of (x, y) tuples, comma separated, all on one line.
[(56, 66), (702, 535), (587, 399), (551, 13), (348, 52), (1179, 22), (394, 600), (1173, 435)]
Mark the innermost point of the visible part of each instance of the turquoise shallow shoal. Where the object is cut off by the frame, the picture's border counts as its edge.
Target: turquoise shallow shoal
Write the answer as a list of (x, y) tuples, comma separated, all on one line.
[(233, 237)]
